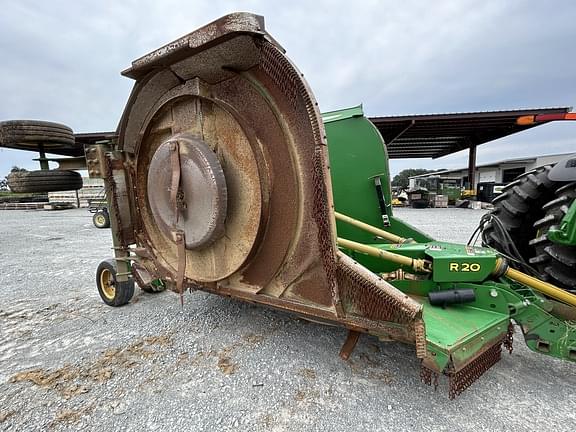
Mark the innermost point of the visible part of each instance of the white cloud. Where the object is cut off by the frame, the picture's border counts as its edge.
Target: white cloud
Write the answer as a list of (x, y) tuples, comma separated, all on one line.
[(61, 60)]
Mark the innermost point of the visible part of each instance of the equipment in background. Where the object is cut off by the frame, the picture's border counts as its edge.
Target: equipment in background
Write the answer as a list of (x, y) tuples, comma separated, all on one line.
[(98, 207), (488, 191)]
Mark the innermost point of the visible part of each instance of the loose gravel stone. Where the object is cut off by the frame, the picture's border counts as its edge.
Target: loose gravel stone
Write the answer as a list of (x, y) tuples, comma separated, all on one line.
[(219, 364)]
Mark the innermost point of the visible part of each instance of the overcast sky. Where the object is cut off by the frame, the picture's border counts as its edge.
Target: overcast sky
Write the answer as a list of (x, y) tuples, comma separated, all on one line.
[(61, 60)]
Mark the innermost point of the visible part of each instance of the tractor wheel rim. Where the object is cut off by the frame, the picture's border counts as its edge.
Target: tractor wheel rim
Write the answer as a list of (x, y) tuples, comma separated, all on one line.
[(100, 220), (107, 284)]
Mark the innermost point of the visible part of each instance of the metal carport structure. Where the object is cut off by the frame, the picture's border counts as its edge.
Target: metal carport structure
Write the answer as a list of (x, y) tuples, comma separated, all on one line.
[(437, 135)]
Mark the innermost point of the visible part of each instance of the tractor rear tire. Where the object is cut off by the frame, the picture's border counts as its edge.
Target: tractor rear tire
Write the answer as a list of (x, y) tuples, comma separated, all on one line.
[(112, 292), (556, 263), (44, 181), (518, 207)]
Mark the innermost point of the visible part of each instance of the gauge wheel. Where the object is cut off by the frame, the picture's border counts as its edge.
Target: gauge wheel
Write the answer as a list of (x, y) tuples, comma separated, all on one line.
[(101, 219), (556, 263), (112, 292)]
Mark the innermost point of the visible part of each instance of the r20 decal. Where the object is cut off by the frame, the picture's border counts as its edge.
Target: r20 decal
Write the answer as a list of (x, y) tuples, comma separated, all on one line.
[(464, 267)]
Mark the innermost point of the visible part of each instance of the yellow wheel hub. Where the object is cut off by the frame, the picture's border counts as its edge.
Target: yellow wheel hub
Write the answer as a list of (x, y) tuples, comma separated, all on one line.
[(100, 220), (107, 284)]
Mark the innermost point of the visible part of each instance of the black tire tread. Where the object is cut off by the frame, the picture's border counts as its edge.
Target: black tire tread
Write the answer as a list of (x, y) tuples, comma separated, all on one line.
[(36, 137), (31, 133), (33, 123), (19, 130), (106, 217), (124, 291), (556, 263), (44, 181), (518, 208)]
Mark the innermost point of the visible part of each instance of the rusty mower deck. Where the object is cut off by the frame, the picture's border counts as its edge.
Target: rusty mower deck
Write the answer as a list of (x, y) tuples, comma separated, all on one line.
[(225, 178)]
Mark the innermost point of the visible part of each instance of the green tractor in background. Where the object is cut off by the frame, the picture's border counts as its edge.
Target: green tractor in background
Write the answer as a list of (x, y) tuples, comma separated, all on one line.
[(434, 191), (534, 223)]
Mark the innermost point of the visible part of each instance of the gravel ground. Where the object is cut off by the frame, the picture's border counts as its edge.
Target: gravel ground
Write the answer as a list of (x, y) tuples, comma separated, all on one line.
[(68, 362)]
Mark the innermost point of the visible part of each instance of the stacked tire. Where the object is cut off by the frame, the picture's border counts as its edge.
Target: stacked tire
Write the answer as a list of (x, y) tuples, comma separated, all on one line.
[(44, 181), (30, 134), (43, 136)]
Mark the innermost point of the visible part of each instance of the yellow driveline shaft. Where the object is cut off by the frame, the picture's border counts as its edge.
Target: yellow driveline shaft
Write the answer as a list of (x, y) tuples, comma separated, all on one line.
[(417, 264), (369, 228), (422, 265), (541, 286)]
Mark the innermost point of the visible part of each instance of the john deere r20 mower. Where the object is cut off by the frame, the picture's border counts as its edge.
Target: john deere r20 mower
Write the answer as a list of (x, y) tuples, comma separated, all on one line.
[(224, 177)]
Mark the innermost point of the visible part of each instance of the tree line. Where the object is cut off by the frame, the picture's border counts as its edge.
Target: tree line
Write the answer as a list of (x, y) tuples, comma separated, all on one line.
[(402, 178), (4, 181)]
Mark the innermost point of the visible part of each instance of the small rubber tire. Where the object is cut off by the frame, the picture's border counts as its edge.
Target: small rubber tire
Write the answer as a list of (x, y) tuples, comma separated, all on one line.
[(101, 219), (556, 263), (112, 292), (518, 208), (44, 181)]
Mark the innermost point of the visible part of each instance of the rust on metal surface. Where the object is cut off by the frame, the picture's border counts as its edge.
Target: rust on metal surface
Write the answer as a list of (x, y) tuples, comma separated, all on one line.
[(508, 341), (141, 275), (429, 376), (368, 295), (223, 111), (211, 35), (462, 375), (465, 377), (180, 240), (169, 151), (420, 337), (112, 194), (185, 170), (349, 344), (118, 195)]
